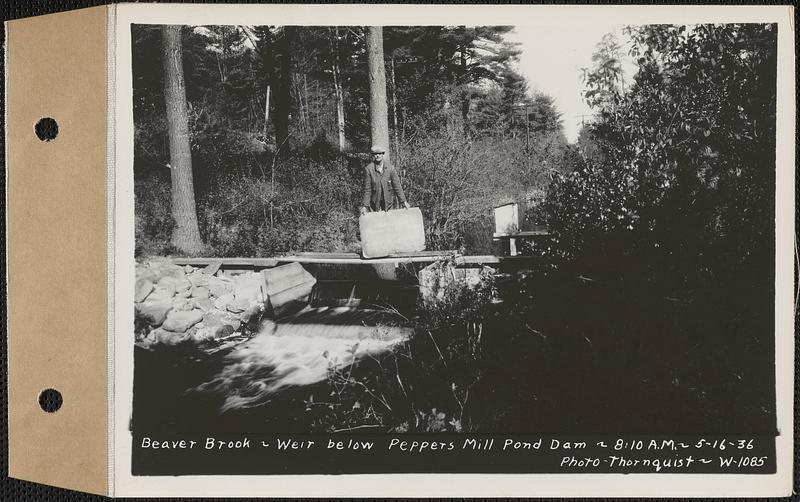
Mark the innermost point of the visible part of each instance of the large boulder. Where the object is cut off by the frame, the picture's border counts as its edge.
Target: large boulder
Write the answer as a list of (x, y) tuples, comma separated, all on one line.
[(182, 304), (144, 287), (200, 292), (154, 312), (253, 312), (167, 286), (144, 272), (223, 301), (170, 338), (166, 269), (199, 279), (181, 321), (217, 324), (186, 293), (204, 304), (183, 287), (218, 286)]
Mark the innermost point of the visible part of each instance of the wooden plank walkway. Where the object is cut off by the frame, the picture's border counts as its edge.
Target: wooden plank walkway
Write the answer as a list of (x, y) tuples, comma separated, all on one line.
[(339, 258)]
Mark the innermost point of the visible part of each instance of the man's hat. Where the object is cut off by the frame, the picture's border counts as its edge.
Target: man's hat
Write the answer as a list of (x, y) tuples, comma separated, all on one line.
[(378, 149)]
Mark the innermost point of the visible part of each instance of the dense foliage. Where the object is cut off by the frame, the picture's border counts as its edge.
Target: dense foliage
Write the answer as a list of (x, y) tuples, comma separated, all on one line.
[(679, 188)]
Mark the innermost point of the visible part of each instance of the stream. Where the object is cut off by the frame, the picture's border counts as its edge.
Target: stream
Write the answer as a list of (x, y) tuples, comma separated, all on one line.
[(264, 380)]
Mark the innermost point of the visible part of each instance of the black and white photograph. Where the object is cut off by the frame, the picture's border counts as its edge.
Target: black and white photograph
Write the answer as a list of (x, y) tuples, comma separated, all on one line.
[(446, 248)]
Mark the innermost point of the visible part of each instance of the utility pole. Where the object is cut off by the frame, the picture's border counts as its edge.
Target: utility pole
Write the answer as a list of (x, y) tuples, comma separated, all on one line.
[(527, 130)]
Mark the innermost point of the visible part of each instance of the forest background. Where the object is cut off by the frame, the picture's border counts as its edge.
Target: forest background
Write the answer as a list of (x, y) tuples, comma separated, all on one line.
[(279, 121)]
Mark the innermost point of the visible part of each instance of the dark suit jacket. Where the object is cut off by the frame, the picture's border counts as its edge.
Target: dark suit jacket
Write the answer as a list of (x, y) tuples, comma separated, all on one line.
[(379, 186)]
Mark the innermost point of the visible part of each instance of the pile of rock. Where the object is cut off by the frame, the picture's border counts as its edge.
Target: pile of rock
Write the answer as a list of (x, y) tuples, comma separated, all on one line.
[(177, 304)]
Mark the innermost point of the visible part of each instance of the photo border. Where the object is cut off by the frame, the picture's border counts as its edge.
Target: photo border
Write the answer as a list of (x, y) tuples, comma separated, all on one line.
[(445, 485)]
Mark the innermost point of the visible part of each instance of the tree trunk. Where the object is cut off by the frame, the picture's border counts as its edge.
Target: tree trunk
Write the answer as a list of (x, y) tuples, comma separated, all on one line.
[(394, 115), (464, 92), (337, 85), (306, 108), (283, 91), (266, 113), (379, 114), (185, 234)]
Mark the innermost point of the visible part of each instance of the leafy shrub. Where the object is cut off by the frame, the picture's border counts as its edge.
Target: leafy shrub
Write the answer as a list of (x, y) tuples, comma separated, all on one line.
[(309, 207), (153, 217), (685, 193)]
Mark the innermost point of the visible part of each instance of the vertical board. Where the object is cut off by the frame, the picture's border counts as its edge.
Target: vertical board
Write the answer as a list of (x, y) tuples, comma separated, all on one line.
[(56, 248), (506, 219), (384, 233)]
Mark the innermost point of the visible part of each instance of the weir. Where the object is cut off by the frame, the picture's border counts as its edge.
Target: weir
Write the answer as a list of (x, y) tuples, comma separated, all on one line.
[(358, 309)]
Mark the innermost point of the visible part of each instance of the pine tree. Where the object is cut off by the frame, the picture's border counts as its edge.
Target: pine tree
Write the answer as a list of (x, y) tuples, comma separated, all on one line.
[(186, 234), (379, 115)]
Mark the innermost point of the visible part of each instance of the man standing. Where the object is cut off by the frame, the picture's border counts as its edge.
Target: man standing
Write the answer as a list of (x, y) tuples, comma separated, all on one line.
[(380, 179)]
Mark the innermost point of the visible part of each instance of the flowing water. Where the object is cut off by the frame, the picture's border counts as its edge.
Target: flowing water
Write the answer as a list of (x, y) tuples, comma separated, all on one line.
[(261, 381), (300, 351)]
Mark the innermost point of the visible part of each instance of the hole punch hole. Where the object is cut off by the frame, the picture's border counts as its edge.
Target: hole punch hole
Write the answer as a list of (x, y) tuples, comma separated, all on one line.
[(46, 129), (50, 400)]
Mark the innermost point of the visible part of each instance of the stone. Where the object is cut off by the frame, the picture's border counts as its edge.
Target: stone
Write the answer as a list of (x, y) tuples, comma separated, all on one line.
[(213, 319), (169, 338), (199, 279), (145, 343), (204, 334), (223, 331), (213, 267), (182, 284), (217, 286), (200, 292), (167, 284), (146, 273), (219, 324), (223, 301), (154, 312), (160, 295), (181, 321), (182, 304), (233, 323), (204, 304), (142, 289), (236, 308), (166, 269), (253, 312)]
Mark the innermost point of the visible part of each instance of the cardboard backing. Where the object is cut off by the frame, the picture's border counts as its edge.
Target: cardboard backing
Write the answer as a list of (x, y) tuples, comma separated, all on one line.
[(56, 245)]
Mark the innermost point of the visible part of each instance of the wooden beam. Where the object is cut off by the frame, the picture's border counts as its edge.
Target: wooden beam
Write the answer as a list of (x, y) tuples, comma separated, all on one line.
[(525, 233), (227, 262), (342, 258)]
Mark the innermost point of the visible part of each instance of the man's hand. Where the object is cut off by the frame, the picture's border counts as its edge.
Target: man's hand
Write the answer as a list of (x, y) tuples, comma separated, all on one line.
[(408, 206), (363, 210)]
